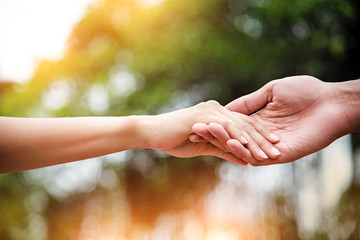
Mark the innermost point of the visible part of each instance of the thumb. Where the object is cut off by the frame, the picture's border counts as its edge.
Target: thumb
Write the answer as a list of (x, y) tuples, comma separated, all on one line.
[(252, 102)]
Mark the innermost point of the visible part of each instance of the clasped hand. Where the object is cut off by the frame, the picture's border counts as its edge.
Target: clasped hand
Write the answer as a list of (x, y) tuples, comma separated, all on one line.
[(305, 113), (176, 127)]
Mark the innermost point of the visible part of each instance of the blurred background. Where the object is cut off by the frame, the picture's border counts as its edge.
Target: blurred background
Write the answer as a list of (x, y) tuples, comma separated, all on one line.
[(121, 57)]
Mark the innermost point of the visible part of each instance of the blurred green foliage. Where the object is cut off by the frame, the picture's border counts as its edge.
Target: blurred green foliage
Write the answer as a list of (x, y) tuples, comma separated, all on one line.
[(126, 58)]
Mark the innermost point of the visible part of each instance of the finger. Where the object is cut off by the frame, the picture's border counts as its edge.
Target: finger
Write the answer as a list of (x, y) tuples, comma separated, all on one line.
[(255, 142), (236, 148), (257, 147), (196, 138), (256, 135), (261, 137), (219, 133), (217, 152), (252, 102), (202, 130), (254, 148), (222, 135), (241, 131), (263, 144), (266, 133), (241, 152)]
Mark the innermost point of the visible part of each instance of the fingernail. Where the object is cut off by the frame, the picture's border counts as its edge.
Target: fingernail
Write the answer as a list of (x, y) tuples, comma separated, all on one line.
[(274, 137), (244, 140), (275, 151), (263, 154)]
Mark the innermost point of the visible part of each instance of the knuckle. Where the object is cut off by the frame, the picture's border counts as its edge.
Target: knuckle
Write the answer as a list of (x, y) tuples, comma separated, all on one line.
[(213, 103), (276, 81), (272, 84), (248, 128), (263, 143), (208, 105), (202, 104)]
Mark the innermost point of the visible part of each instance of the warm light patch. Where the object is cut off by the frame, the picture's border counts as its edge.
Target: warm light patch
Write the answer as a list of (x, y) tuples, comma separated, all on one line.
[(150, 3), (34, 30), (222, 234)]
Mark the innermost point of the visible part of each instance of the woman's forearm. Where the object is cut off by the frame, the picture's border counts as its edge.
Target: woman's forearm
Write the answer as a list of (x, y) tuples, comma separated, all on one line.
[(28, 143)]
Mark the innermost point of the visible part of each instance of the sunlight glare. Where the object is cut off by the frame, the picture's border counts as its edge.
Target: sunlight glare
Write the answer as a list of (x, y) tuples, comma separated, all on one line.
[(150, 3), (34, 30), (222, 234)]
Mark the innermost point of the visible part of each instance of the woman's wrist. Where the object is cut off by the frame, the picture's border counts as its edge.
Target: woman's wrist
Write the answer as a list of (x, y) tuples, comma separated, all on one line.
[(130, 133), (166, 130)]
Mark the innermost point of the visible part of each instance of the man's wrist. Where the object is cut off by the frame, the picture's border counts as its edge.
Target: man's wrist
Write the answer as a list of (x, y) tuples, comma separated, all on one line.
[(347, 97)]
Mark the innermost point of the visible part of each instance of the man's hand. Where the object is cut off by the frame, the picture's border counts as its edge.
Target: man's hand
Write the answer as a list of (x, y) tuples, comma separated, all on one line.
[(306, 113)]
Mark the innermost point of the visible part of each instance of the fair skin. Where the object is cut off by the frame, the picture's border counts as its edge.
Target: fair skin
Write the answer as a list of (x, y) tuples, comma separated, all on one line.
[(28, 143), (306, 113)]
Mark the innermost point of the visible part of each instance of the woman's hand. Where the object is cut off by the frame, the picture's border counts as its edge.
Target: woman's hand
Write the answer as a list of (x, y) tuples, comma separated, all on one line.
[(170, 132), (28, 143)]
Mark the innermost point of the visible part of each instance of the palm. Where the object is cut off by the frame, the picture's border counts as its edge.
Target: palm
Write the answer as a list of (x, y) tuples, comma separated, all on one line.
[(298, 115)]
